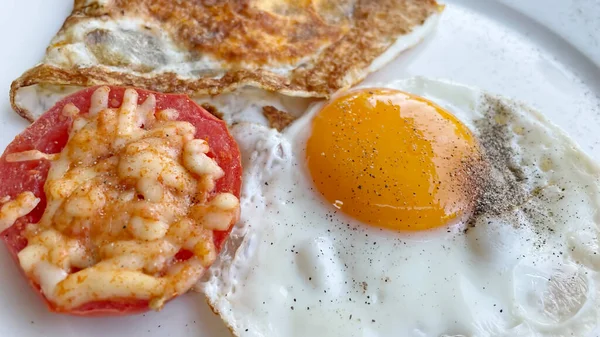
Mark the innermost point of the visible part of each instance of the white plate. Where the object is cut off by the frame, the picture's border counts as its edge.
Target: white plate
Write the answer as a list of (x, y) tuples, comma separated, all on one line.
[(543, 52)]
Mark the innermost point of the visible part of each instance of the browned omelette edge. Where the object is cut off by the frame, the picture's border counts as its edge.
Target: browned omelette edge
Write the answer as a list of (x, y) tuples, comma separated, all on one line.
[(277, 119), (371, 35), (166, 82), (218, 313)]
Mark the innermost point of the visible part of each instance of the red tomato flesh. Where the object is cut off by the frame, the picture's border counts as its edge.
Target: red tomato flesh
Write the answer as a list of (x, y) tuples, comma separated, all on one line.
[(49, 134)]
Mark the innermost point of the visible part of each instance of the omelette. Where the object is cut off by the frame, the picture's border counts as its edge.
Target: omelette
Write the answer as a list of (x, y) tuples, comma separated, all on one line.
[(309, 48)]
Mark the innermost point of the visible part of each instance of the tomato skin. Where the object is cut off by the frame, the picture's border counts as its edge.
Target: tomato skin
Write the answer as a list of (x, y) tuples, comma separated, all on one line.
[(49, 134)]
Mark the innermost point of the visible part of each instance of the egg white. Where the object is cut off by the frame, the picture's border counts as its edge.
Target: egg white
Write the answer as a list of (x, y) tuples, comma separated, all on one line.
[(294, 266)]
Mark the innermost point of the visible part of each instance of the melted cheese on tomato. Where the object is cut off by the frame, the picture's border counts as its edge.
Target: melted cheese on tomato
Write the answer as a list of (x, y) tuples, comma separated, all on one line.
[(14, 209), (131, 188)]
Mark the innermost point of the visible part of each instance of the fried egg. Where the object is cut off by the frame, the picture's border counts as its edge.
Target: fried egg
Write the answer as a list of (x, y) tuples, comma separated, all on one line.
[(412, 208)]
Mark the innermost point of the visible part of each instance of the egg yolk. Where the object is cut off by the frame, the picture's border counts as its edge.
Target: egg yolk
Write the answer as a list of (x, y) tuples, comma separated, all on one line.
[(392, 159)]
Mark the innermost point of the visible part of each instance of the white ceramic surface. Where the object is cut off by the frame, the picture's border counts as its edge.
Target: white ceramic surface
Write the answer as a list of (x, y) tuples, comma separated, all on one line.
[(543, 52)]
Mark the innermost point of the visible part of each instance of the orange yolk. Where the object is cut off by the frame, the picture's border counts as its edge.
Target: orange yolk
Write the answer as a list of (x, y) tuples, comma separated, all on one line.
[(394, 160)]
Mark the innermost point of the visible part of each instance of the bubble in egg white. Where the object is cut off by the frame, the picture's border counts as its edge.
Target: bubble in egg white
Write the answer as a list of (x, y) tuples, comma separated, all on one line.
[(320, 272), (556, 298)]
